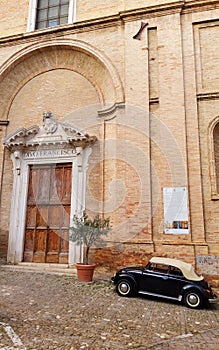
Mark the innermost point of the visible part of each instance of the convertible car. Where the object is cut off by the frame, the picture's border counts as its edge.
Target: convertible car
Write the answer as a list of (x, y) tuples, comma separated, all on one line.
[(165, 278)]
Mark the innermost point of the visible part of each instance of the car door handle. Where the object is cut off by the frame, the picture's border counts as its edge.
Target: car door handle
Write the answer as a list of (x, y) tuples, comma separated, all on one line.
[(164, 277)]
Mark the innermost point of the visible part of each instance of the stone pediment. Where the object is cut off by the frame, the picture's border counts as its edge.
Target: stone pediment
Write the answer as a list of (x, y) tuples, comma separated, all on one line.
[(50, 133)]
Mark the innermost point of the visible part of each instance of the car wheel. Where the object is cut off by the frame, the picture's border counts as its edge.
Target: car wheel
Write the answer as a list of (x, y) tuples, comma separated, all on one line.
[(124, 288), (192, 299)]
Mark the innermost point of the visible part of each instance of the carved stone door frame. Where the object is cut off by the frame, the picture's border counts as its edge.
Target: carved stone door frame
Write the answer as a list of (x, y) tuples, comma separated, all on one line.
[(51, 143)]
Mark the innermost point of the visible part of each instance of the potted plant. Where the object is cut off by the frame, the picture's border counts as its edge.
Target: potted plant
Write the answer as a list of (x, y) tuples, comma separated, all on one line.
[(88, 232)]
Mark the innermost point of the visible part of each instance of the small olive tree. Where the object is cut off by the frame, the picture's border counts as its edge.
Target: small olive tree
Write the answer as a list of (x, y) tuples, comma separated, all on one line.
[(89, 232)]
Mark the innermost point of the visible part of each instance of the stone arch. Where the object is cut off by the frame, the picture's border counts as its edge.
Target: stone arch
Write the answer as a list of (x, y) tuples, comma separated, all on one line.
[(50, 55), (213, 134)]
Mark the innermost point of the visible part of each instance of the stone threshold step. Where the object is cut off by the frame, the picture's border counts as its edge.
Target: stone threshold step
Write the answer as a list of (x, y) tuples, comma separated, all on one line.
[(62, 269)]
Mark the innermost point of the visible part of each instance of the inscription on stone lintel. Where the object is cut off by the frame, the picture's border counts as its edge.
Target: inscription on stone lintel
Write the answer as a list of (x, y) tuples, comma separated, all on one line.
[(50, 153)]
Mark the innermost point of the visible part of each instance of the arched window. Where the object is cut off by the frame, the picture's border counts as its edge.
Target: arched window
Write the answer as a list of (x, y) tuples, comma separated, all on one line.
[(216, 155)]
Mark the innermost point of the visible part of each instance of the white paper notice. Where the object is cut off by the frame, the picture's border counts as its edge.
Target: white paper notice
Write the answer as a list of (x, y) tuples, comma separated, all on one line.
[(175, 210)]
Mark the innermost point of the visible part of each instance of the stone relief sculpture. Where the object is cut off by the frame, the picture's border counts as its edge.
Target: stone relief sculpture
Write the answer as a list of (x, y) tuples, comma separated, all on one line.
[(49, 122)]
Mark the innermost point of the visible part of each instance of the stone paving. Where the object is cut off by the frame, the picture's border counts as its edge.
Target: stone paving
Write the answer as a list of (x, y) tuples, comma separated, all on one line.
[(42, 310)]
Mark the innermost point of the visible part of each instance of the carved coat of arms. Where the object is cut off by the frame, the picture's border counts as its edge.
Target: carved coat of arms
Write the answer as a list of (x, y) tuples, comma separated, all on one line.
[(49, 122)]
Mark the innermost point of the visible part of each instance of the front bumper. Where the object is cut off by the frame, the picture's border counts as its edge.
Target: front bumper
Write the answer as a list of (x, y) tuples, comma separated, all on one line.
[(112, 280), (213, 299)]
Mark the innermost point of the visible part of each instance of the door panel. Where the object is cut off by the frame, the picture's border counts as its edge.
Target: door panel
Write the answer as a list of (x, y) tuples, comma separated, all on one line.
[(66, 194), (65, 216), (53, 241), (29, 245), (44, 186), (56, 185), (55, 216), (31, 216), (153, 283), (175, 285), (40, 240), (39, 257), (33, 186), (48, 214), (155, 278), (42, 217), (52, 255), (29, 242), (64, 241)]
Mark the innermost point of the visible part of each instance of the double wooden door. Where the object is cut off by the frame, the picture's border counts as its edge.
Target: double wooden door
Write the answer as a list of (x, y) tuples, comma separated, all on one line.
[(48, 211)]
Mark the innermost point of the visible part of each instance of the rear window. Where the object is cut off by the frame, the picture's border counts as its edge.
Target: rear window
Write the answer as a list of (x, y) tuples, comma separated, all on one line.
[(175, 271)]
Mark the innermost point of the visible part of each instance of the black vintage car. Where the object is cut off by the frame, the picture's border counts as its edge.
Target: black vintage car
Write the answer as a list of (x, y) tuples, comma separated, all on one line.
[(166, 278)]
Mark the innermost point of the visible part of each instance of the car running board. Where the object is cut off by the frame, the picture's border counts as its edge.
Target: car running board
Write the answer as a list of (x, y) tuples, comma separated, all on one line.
[(160, 296)]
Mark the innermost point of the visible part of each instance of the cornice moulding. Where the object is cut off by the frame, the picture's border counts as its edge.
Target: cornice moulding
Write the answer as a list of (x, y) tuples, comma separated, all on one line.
[(4, 122), (201, 5), (109, 113), (77, 27), (208, 96), (110, 21), (158, 10)]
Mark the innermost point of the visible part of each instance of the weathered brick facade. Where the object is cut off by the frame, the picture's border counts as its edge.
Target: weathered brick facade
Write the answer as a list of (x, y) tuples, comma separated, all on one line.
[(161, 128)]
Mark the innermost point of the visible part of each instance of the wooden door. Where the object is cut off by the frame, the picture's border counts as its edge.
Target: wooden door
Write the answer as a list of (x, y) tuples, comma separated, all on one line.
[(48, 210)]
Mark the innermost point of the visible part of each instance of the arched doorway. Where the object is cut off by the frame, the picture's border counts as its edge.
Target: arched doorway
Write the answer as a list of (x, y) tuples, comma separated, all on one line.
[(63, 71)]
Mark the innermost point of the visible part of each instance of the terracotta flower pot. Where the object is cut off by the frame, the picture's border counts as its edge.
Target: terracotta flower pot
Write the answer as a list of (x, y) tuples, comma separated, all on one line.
[(85, 272)]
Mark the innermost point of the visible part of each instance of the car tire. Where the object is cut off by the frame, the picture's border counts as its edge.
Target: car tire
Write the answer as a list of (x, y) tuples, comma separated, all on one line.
[(192, 299), (125, 288)]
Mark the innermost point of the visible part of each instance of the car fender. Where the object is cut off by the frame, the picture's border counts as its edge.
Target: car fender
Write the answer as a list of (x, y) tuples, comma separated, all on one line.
[(130, 278), (188, 287)]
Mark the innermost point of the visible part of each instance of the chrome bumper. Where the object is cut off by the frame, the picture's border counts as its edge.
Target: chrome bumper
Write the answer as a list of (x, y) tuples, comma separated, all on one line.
[(112, 280), (214, 299)]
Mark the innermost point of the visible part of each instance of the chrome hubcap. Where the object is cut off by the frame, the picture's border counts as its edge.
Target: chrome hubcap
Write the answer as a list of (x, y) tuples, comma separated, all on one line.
[(193, 299), (124, 287)]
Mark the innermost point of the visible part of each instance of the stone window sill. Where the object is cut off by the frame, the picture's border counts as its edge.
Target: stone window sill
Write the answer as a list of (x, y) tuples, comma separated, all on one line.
[(215, 196)]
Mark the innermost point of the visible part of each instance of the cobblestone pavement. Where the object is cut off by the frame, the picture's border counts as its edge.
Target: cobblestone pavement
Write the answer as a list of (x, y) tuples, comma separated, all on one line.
[(40, 310)]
